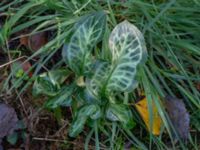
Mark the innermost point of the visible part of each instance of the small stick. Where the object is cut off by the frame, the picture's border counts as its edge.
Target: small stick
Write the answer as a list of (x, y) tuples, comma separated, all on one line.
[(12, 61)]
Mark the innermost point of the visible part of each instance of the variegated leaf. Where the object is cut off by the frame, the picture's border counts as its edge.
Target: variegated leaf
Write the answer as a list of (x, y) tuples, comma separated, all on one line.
[(97, 83), (92, 111), (89, 31), (121, 113), (128, 50)]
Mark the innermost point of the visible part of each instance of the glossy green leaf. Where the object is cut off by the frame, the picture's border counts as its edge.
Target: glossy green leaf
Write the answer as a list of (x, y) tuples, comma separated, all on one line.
[(97, 83), (128, 49), (121, 113), (88, 32), (44, 85), (48, 83), (77, 126), (59, 75), (63, 98), (92, 111)]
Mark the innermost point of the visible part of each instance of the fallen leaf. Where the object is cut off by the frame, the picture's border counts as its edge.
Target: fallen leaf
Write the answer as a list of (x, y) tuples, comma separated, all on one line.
[(142, 108), (26, 67), (24, 40), (8, 120), (34, 42), (38, 40), (178, 115)]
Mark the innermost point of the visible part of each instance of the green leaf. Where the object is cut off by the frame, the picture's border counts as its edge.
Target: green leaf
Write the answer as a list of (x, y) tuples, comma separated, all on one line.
[(48, 83), (121, 113), (59, 75), (89, 97), (63, 98), (77, 126), (92, 111), (88, 32), (20, 125), (12, 139), (17, 69), (128, 49), (96, 84), (44, 85)]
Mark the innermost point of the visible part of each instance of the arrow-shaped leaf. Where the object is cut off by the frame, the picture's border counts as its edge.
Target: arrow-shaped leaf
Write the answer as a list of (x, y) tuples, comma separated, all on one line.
[(92, 111), (128, 50), (89, 32)]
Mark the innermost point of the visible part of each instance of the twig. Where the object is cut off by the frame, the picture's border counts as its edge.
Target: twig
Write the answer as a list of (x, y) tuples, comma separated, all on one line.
[(12, 61), (48, 139)]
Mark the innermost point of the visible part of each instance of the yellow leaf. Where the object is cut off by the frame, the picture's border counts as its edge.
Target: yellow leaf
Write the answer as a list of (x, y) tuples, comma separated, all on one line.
[(142, 108)]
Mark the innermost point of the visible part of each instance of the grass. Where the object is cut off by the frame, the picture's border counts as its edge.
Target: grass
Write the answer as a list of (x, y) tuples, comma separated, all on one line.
[(171, 30)]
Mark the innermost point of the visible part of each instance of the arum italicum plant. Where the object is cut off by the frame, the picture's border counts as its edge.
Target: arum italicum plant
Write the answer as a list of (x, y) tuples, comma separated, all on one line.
[(97, 82)]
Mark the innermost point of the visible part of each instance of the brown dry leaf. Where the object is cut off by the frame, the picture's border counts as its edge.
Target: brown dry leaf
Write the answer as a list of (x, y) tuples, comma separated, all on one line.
[(26, 67), (24, 41), (8, 120), (38, 40), (178, 115), (34, 42), (142, 108)]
